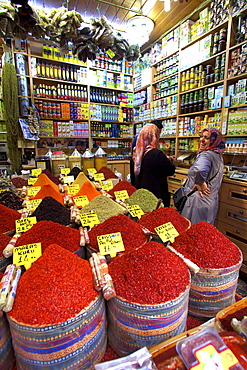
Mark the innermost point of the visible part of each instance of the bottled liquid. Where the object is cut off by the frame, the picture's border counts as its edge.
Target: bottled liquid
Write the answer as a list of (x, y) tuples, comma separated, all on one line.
[(38, 68)]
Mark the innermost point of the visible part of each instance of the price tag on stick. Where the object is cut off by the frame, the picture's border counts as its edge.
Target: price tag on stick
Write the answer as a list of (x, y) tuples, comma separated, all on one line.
[(89, 219), (81, 200), (110, 244), (167, 232), (25, 255), (135, 211), (24, 224)]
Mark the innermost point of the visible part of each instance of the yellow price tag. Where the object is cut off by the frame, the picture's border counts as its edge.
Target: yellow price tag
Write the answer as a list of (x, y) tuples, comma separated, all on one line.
[(110, 244), (135, 211), (110, 53), (81, 201), (36, 172), (31, 181), (3, 190), (92, 171), (24, 224), (167, 232), (73, 189), (99, 176), (33, 204), (121, 194), (25, 255), (107, 185), (76, 164), (68, 179), (89, 219), (33, 191), (65, 171)]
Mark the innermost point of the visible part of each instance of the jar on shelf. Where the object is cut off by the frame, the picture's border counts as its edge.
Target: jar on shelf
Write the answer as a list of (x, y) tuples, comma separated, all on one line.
[(87, 160), (100, 158)]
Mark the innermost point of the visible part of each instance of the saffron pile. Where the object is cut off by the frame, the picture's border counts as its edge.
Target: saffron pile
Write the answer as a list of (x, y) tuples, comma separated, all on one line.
[(131, 232), (51, 210), (48, 232), (54, 289), (8, 218), (206, 246), (163, 215), (149, 275)]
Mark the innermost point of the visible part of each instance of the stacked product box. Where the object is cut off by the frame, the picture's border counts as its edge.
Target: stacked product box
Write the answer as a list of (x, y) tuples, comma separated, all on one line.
[(238, 61), (169, 127), (201, 25), (237, 122), (236, 94), (46, 128), (185, 32), (80, 129), (170, 43), (219, 12), (215, 95)]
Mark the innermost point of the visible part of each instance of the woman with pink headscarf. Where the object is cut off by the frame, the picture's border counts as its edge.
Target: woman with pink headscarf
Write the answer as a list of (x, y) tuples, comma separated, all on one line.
[(205, 175), (151, 165)]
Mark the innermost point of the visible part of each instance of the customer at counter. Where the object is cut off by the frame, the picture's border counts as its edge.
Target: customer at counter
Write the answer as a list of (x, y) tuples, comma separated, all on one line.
[(205, 175)]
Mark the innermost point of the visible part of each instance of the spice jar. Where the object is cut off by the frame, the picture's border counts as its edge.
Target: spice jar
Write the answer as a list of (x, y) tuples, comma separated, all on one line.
[(87, 160), (75, 160), (100, 158), (59, 161)]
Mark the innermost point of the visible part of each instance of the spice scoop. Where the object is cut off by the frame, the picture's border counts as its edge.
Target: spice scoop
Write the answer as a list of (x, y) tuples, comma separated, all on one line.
[(191, 265)]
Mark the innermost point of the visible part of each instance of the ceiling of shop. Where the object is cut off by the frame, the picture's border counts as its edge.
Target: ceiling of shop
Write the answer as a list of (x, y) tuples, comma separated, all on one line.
[(119, 11)]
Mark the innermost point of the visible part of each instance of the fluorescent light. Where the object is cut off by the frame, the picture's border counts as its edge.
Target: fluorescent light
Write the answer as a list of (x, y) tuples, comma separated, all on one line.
[(167, 5)]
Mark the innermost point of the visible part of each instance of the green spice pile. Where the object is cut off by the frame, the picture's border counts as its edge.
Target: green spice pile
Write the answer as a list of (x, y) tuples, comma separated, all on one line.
[(146, 200), (104, 207), (149, 275), (54, 289)]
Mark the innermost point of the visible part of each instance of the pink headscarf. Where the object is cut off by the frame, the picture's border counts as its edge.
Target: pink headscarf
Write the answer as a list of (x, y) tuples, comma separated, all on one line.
[(148, 139), (216, 140)]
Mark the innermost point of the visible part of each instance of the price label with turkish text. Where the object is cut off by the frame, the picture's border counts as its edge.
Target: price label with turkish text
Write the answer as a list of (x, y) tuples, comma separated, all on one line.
[(135, 210), (65, 171), (68, 179), (33, 191), (110, 244), (25, 255), (36, 171), (89, 219), (33, 204), (73, 189), (99, 176), (121, 194), (107, 185), (92, 171), (3, 190), (110, 53), (167, 232), (81, 201), (24, 224), (76, 164), (31, 181)]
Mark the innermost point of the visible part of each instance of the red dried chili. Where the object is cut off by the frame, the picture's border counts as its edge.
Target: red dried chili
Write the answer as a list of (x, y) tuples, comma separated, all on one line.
[(132, 233), (8, 218), (149, 275), (49, 232), (54, 289), (4, 240), (19, 182), (163, 215), (110, 354), (206, 246), (108, 173), (122, 185)]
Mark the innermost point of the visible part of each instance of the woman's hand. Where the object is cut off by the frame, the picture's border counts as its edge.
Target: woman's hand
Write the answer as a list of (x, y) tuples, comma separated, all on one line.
[(202, 189)]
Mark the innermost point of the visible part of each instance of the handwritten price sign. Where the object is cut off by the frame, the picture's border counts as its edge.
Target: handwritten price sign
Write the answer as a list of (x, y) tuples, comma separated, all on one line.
[(99, 176), (167, 232), (81, 201), (36, 171), (25, 255), (110, 244), (121, 194), (24, 224), (135, 211), (89, 219)]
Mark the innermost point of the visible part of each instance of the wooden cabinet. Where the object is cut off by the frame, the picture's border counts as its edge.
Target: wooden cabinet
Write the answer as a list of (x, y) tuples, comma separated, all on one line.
[(176, 181), (232, 214), (122, 166)]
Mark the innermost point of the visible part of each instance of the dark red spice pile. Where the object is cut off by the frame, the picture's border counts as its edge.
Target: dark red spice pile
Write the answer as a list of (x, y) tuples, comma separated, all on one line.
[(4, 240), (131, 232), (206, 246), (51, 210), (48, 232), (8, 218), (75, 172), (122, 185), (11, 200), (108, 173), (163, 215), (193, 322), (19, 182), (53, 178), (149, 275), (239, 315), (54, 289), (109, 355)]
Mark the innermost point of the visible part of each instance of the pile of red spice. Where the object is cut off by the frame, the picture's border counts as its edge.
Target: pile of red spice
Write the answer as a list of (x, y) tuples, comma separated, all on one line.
[(54, 289), (163, 215), (19, 182), (132, 233), (109, 355), (107, 172), (8, 218), (48, 232), (122, 185), (206, 246), (149, 275), (4, 240)]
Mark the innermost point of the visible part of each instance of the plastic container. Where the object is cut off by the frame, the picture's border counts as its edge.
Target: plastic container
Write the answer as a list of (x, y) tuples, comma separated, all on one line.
[(75, 160), (100, 159), (207, 348), (58, 161), (43, 162), (87, 160)]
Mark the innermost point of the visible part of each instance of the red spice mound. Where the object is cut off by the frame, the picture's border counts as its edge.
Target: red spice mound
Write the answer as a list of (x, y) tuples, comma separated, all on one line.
[(108, 173), (8, 218), (54, 289), (149, 275), (206, 246), (163, 215), (53, 178), (49, 232), (122, 185), (109, 355), (131, 232), (4, 240), (193, 322), (19, 182)]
